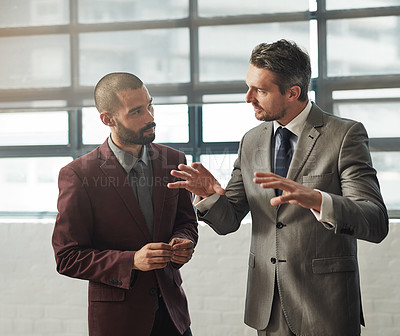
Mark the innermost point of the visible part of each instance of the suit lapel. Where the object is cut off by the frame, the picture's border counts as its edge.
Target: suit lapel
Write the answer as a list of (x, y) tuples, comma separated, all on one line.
[(306, 142), (114, 172), (263, 157)]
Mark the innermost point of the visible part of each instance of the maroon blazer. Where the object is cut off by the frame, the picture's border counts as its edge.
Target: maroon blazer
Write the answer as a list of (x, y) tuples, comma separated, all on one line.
[(100, 226)]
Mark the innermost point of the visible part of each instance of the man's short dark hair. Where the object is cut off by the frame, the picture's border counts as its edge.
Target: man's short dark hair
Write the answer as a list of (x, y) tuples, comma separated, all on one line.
[(105, 93), (290, 64)]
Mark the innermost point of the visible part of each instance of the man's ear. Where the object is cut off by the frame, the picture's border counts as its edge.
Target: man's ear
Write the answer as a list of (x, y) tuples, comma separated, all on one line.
[(294, 92), (107, 118)]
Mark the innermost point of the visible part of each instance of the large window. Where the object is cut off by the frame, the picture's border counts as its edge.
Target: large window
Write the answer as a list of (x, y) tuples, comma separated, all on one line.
[(193, 56)]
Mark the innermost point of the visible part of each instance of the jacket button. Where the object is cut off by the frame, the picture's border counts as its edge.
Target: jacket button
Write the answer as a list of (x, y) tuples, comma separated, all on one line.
[(273, 260), (153, 291), (280, 225)]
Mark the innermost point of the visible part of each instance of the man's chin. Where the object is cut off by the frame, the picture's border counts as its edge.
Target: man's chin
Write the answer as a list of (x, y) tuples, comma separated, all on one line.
[(145, 140), (148, 139), (261, 116)]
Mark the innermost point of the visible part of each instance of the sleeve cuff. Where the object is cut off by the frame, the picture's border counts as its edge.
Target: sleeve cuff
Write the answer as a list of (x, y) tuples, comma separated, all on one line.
[(326, 210), (205, 204)]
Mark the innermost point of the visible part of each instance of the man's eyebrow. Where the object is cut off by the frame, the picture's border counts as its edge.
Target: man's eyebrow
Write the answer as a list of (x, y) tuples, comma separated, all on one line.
[(137, 108)]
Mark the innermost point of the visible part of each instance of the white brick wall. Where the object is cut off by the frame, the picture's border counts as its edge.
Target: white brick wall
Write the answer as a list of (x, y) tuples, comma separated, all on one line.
[(36, 301)]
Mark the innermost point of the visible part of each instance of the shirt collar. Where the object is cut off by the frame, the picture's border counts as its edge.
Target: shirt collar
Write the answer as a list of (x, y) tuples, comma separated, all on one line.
[(297, 124), (127, 160)]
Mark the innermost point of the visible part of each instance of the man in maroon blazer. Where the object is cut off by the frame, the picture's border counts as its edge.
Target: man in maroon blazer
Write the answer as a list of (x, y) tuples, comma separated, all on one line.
[(120, 227)]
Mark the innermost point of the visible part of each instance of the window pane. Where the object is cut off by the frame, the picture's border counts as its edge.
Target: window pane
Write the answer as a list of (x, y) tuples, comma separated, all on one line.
[(95, 11), (237, 118), (33, 128), (30, 184), (238, 7), (373, 116), (367, 46), (25, 13), (156, 56), (224, 98), (34, 61), (387, 165), (93, 130), (33, 104), (370, 93), (223, 58), (220, 165), (345, 4), (172, 123), (189, 159), (171, 99)]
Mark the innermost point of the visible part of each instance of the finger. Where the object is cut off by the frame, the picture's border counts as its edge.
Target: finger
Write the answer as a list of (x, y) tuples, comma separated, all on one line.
[(177, 185), (267, 174), (267, 177), (269, 184), (182, 244), (180, 260), (218, 189), (261, 174), (180, 174), (173, 241), (159, 246), (273, 182), (275, 201), (187, 169), (197, 166), (259, 180), (183, 253)]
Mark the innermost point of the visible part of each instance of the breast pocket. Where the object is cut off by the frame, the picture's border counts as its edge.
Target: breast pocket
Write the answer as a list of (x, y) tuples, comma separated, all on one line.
[(322, 181)]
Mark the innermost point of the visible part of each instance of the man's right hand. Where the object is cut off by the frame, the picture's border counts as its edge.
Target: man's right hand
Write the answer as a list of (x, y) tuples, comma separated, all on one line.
[(152, 256), (196, 179)]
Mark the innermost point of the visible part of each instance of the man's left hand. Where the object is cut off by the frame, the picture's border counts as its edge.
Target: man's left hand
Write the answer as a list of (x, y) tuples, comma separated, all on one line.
[(182, 250), (293, 192)]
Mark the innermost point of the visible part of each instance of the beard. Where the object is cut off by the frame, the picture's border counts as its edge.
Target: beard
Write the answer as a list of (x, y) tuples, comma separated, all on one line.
[(130, 137), (261, 115)]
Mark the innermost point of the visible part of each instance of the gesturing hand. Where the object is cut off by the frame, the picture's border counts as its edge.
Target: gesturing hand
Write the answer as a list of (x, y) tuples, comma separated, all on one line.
[(293, 192), (182, 250), (152, 256), (197, 179)]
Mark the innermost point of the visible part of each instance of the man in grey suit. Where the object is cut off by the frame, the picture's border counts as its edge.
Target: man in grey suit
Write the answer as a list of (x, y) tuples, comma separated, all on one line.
[(303, 276)]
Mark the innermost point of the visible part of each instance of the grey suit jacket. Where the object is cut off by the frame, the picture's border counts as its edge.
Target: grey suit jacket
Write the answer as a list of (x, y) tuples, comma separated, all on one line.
[(315, 264)]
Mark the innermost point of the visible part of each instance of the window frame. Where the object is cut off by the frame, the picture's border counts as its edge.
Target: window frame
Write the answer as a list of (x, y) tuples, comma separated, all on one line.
[(77, 96)]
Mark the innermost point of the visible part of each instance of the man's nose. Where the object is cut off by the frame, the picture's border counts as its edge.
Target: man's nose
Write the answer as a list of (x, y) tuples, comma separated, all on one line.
[(250, 95), (150, 114)]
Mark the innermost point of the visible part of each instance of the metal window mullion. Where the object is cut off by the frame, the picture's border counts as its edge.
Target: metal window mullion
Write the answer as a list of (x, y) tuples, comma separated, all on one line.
[(384, 144), (74, 53), (195, 131), (75, 132), (323, 95)]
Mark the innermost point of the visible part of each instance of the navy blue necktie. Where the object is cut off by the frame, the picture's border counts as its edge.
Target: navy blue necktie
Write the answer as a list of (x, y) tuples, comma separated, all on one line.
[(284, 154)]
